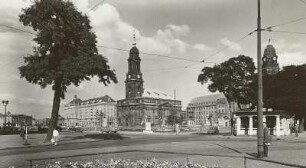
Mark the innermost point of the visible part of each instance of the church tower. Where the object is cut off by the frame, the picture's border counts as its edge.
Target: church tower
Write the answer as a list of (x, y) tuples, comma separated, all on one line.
[(134, 81), (269, 61)]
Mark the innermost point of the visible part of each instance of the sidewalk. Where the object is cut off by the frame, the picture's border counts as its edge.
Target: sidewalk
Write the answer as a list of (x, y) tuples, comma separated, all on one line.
[(226, 151)]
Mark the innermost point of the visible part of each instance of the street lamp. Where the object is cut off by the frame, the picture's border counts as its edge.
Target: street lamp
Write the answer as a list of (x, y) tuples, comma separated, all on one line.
[(5, 103)]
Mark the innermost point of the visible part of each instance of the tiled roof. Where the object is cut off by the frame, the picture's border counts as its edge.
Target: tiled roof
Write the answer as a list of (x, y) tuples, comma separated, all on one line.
[(151, 93), (207, 98), (105, 98)]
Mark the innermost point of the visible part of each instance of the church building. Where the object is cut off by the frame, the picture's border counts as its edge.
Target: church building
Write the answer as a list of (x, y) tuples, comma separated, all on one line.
[(269, 61), (142, 104)]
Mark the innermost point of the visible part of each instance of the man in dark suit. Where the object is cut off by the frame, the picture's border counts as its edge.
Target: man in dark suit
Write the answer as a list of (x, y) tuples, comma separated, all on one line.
[(267, 139)]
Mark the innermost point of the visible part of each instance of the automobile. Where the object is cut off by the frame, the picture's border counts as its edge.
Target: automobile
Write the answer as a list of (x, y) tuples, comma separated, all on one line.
[(75, 129), (109, 130), (213, 130), (64, 129)]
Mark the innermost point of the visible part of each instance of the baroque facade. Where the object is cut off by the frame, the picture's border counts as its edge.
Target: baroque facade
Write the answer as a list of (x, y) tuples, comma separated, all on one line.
[(200, 109), (95, 112), (142, 104)]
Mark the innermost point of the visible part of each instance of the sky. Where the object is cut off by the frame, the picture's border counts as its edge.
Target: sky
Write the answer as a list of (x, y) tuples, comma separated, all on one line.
[(191, 30)]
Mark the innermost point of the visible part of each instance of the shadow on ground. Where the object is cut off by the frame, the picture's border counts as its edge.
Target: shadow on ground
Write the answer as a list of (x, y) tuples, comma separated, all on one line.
[(102, 136)]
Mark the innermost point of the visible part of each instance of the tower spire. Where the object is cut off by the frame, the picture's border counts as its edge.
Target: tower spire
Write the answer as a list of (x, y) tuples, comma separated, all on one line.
[(134, 38)]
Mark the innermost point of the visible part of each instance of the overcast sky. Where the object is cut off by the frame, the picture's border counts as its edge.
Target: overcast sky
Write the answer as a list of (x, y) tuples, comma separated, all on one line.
[(188, 29)]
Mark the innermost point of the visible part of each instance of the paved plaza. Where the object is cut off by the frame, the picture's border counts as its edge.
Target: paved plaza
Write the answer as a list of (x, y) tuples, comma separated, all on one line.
[(221, 150)]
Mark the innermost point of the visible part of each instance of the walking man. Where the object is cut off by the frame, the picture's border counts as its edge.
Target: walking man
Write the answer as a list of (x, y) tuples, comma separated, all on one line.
[(267, 139), (296, 130), (55, 136)]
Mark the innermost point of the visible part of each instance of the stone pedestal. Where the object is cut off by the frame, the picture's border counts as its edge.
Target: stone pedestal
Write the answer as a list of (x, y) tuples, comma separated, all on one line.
[(147, 128), (104, 122)]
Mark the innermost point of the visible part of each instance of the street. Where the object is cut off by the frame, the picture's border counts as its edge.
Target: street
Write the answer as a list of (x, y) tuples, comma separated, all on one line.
[(225, 151)]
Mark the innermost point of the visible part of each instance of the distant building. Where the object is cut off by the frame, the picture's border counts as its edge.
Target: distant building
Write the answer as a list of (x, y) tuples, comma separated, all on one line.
[(95, 112), (184, 117), (8, 119), (142, 104), (200, 109), (22, 120), (270, 65), (43, 123)]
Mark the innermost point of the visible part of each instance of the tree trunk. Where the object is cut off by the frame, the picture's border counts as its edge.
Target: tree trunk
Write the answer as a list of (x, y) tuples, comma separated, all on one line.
[(55, 110)]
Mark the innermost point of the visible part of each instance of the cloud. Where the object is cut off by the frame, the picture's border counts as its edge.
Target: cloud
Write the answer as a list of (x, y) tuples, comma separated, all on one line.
[(232, 45), (111, 29), (284, 46), (291, 58), (179, 30), (201, 47)]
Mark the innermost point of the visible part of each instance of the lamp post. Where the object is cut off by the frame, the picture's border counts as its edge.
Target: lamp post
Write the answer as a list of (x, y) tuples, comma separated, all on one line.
[(5, 103)]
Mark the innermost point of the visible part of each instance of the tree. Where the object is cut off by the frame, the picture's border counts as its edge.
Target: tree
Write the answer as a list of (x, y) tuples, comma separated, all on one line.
[(286, 90), (232, 78), (66, 52)]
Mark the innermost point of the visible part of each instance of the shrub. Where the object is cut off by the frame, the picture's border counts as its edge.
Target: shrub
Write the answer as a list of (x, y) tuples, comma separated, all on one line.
[(121, 163)]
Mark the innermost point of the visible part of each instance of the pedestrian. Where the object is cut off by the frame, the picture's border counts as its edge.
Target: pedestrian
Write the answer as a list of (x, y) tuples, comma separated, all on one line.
[(22, 132), (267, 139), (296, 129), (55, 137)]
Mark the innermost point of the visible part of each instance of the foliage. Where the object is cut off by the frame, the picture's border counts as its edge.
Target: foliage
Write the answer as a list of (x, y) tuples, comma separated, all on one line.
[(153, 163), (66, 51), (174, 119), (286, 90), (232, 78)]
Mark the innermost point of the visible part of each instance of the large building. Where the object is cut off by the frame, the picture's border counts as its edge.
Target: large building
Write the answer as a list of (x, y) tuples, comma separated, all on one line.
[(5, 118), (91, 113), (19, 120), (142, 104), (201, 109), (270, 65)]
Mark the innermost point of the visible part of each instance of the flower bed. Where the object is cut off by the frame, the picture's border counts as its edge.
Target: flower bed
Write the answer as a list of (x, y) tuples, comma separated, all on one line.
[(121, 163)]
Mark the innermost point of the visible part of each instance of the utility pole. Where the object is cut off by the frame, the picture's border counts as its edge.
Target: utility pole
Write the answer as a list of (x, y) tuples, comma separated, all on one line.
[(260, 148), (5, 103)]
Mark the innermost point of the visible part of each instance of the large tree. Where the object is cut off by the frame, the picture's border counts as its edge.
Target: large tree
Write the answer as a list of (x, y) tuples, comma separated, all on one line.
[(232, 78), (286, 90), (66, 51)]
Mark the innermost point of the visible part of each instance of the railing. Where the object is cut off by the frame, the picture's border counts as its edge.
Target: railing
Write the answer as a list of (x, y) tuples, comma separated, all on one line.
[(240, 161)]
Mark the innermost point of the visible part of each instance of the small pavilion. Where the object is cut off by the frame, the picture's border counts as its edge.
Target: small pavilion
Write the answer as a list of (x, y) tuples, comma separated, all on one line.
[(278, 121)]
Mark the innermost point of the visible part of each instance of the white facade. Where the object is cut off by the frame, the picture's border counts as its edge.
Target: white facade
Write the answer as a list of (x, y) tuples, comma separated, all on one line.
[(96, 112), (200, 108), (277, 122), (8, 119)]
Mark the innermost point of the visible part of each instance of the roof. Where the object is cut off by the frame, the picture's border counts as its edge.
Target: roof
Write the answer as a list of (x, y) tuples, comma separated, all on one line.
[(207, 98), (151, 93), (269, 51), (105, 98)]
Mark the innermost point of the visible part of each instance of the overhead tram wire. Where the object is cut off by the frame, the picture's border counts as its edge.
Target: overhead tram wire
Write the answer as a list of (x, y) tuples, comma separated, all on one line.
[(286, 23), (287, 32), (228, 46), (12, 27), (159, 55), (92, 8), (152, 54)]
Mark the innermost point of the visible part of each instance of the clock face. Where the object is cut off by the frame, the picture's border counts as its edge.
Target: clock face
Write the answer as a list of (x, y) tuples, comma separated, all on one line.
[(274, 58), (138, 76)]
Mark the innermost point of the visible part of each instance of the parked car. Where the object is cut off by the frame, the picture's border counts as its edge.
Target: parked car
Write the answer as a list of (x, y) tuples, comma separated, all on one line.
[(213, 130), (75, 129), (109, 130)]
